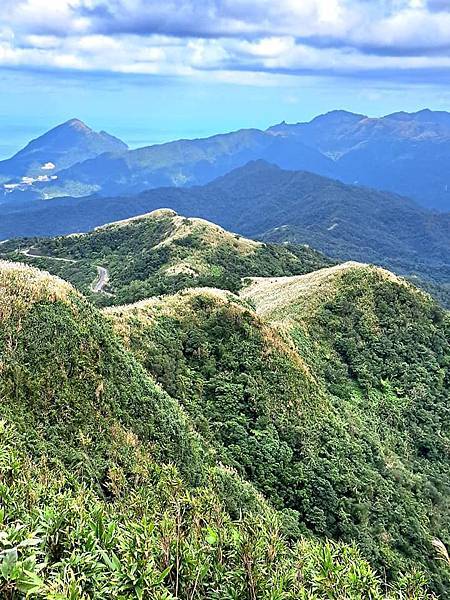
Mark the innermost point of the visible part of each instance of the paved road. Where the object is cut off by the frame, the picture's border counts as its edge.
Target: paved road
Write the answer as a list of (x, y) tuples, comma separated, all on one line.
[(28, 252), (98, 284), (101, 281)]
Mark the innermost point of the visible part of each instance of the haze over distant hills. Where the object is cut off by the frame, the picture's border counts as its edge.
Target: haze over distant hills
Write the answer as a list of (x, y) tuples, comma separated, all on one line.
[(262, 201), (406, 153), (61, 147)]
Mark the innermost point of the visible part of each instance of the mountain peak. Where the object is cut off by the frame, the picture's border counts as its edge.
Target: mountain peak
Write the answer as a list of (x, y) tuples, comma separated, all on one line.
[(62, 146), (339, 115), (249, 168), (76, 124)]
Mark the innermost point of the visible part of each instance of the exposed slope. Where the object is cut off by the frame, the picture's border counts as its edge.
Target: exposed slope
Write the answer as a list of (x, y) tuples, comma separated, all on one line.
[(163, 252), (58, 149), (344, 419), (282, 300)]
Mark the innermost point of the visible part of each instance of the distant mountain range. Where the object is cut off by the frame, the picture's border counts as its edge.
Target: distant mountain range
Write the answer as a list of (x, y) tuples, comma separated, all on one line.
[(190, 413), (262, 201), (58, 149), (405, 153)]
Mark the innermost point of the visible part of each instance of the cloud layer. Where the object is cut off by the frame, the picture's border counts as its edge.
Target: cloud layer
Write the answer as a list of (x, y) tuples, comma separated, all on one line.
[(247, 41)]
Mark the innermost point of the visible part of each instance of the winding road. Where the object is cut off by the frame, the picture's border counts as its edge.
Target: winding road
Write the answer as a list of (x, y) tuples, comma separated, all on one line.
[(101, 281), (98, 284), (27, 252)]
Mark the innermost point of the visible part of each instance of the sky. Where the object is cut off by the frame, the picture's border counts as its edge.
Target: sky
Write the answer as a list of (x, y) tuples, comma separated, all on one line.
[(150, 71)]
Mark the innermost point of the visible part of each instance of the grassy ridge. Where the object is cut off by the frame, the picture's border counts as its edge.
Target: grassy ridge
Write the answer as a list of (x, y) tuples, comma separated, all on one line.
[(107, 492), (66, 380), (326, 391), (334, 416), (162, 253), (382, 350)]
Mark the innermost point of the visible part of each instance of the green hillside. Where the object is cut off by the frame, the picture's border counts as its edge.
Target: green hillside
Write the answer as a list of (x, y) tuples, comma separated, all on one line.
[(382, 350), (106, 489), (248, 392), (160, 253), (66, 380), (261, 201), (332, 400)]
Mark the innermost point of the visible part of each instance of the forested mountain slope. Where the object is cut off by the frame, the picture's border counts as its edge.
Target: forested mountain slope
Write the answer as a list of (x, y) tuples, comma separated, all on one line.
[(161, 252), (75, 366), (335, 405), (263, 201), (107, 491)]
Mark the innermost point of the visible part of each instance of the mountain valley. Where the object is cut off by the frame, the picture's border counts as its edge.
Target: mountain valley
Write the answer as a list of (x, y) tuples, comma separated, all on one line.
[(265, 202)]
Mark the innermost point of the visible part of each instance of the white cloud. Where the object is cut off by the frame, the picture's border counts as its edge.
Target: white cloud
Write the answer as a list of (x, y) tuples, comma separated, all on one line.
[(225, 37)]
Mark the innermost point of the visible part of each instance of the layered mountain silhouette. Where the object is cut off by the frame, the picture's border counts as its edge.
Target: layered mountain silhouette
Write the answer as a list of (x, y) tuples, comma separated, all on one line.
[(405, 153), (183, 163), (59, 148), (195, 403), (261, 200)]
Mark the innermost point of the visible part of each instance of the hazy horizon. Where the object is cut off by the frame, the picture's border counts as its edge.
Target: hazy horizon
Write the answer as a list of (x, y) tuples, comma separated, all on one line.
[(136, 135), (153, 72)]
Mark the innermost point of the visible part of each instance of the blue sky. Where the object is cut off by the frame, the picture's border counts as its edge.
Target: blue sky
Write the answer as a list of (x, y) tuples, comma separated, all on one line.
[(152, 71)]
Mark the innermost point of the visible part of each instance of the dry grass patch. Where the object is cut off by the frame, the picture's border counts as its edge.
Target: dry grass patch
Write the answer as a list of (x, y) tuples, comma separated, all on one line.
[(210, 233), (160, 213), (286, 299), (21, 286)]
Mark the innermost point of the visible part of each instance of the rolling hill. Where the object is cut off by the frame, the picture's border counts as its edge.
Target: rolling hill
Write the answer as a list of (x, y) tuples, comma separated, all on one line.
[(160, 252), (263, 201), (331, 399), (324, 387), (374, 340), (109, 489)]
